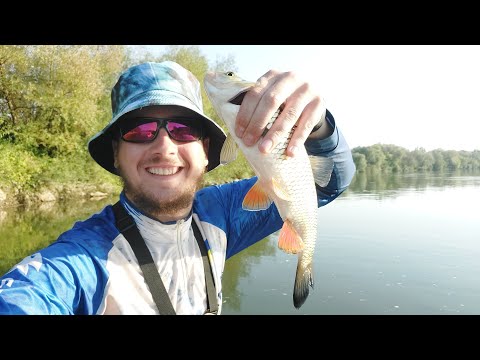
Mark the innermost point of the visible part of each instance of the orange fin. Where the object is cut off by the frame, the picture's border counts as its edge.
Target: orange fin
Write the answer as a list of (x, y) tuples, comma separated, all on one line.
[(256, 199), (289, 240)]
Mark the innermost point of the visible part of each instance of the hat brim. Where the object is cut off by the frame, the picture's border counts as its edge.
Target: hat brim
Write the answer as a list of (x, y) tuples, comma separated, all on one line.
[(100, 145)]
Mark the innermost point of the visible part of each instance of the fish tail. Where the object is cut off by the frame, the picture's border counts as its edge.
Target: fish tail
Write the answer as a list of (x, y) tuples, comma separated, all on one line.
[(303, 279)]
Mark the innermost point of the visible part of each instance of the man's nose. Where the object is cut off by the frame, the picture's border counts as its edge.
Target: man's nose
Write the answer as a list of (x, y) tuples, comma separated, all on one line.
[(164, 141)]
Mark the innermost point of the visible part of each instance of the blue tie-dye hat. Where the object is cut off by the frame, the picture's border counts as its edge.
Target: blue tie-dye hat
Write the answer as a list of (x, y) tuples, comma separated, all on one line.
[(151, 84)]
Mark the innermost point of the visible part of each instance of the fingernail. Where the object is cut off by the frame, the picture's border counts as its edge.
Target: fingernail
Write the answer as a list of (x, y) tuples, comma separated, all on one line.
[(266, 146), (293, 150), (239, 131), (249, 140)]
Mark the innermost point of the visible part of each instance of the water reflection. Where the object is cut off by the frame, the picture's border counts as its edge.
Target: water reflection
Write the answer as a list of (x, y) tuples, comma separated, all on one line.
[(382, 185), (26, 230), (238, 267)]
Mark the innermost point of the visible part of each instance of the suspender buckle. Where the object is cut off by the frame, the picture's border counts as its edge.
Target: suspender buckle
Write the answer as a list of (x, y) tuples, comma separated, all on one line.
[(208, 312)]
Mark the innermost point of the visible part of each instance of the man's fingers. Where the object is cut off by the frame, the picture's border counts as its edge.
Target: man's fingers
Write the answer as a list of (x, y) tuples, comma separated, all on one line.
[(250, 103), (311, 115), (300, 108), (294, 106), (262, 116), (278, 89)]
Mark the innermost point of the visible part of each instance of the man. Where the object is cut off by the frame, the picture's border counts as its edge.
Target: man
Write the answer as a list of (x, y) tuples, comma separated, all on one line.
[(161, 143)]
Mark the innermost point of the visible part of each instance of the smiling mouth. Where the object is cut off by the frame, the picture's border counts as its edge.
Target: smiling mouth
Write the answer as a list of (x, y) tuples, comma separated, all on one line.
[(164, 171)]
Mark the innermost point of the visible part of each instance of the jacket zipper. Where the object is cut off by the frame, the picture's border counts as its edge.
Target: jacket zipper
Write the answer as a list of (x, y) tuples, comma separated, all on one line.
[(182, 257)]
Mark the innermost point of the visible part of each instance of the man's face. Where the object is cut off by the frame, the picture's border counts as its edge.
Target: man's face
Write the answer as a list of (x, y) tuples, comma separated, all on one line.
[(162, 176)]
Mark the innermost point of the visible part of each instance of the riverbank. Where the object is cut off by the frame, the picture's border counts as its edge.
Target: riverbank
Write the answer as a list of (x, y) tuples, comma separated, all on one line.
[(55, 193), (69, 192)]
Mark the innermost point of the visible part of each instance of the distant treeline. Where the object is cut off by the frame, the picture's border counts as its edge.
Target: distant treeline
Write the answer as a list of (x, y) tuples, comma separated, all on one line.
[(393, 158)]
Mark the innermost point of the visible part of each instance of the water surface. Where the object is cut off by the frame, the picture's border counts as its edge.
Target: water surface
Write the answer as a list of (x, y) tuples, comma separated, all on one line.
[(405, 245), (391, 244)]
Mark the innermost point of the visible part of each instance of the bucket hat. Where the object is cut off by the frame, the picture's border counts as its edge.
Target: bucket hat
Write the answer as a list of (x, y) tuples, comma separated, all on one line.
[(151, 84)]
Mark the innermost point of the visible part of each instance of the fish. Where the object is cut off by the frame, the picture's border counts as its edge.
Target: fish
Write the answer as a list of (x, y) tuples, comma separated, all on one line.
[(288, 182)]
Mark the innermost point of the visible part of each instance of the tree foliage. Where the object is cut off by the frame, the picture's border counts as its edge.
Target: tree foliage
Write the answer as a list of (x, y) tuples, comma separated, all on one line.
[(53, 96), (393, 158)]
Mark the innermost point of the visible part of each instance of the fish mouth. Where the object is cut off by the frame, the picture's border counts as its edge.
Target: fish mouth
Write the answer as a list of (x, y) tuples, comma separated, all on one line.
[(237, 99)]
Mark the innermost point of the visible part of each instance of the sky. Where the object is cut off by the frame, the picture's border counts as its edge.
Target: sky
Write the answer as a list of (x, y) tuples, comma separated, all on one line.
[(412, 96)]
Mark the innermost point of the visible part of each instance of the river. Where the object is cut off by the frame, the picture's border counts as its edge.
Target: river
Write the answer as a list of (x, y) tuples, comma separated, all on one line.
[(391, 244)]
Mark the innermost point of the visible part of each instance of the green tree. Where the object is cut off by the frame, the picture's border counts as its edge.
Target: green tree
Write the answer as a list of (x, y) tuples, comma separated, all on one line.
[(393, 158), (53, 98), (12, 90), (439, 163), (360, 161), (376, 157), (453, 159)]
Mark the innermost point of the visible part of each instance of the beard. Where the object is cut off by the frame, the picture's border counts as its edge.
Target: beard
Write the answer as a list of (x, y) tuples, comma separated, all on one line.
[(151, 202)]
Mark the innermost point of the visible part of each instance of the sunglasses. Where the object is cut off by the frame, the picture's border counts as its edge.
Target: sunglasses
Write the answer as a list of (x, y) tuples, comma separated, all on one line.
[(144, 130)]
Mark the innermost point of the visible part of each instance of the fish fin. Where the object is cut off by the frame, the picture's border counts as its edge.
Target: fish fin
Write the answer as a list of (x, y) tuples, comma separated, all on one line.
[(256, 199), (303, 279), (289, 240), (229, 150), (280, 191), (322, 168)]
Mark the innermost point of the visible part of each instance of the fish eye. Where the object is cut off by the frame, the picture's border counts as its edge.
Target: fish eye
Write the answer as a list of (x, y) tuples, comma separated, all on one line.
[(229, 73)]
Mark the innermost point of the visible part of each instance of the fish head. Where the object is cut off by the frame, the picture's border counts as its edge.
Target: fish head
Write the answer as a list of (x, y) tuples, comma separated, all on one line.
[(225, 90)]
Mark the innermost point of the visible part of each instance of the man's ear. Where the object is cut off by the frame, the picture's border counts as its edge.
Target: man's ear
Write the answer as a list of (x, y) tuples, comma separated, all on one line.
[(206, 144), (115, 153)]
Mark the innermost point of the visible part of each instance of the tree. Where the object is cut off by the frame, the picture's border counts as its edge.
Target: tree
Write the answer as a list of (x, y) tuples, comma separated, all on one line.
[(375, 156), (53, 98), (12, 88), (360, 161), (54, 93)]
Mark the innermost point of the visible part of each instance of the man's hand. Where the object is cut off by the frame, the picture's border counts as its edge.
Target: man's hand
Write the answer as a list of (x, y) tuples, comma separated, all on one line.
[(303, 108)]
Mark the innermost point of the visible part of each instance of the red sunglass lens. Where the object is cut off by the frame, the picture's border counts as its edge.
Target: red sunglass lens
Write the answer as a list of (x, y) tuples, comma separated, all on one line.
[(144, 132), (182, 132)]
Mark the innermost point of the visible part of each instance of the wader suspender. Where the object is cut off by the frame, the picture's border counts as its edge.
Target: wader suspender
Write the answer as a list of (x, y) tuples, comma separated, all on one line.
[(128, 228)]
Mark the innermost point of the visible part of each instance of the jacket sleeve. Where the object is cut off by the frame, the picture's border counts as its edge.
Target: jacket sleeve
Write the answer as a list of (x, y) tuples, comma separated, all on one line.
[(335, 147), (38, 285), (67, 277)]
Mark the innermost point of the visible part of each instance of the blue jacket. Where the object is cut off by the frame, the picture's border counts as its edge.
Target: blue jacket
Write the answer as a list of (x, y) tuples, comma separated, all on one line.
[(91, 268)]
